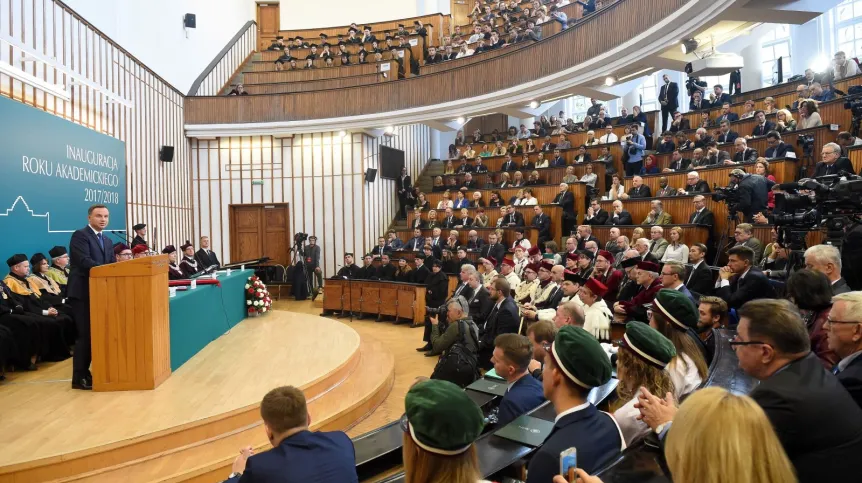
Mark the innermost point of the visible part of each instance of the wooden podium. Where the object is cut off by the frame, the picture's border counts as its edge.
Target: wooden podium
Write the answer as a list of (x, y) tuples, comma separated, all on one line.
[(130, 324)]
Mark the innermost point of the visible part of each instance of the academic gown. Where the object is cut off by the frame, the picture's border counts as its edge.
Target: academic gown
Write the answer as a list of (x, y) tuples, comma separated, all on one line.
[(175, 272), (138, 240), (55, 333), (189, 266)]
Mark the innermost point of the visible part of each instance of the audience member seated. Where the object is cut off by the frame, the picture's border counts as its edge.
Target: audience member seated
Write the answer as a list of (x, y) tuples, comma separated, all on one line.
[(777, 148), (675, 316), (642, 359), (616, 190), (440, 424), (808, 115), (658, 244), (826, 259), (638, 189), (642, 245), (676, 250), (740, 281), (620, 216), (511, 359), (502, 319), (665, 190), (811, 292), (574, 364), (743, 153), (657, 215), (595, 215), (832, 161), (784, 122), (700, 280), (844, 332), (589, 177), (744, 235), (298, 454), (647, 277), (762, 126), (725, 135), (677, 163)]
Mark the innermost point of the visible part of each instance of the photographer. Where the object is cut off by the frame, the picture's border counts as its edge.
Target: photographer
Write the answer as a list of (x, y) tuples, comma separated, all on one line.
[(752, 193), (693, 85), (634, 145)]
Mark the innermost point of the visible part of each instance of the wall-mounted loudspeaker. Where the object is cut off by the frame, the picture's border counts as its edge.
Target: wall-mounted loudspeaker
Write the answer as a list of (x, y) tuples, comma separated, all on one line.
[(190, 21), (370, 175), (166, 154)]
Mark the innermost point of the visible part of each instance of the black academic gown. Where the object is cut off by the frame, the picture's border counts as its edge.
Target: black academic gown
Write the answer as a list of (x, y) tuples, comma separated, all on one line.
[(190, 266), (138, 240), (56, 334)]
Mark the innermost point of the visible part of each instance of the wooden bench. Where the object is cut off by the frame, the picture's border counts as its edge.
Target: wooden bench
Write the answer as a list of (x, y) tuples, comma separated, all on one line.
[(392, 299), (508, 234), (784, 170), (555, 212), (321, 73), (544, 194)]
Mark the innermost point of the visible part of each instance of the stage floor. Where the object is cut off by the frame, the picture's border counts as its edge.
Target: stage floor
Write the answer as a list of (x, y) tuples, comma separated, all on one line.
[(42, 418)]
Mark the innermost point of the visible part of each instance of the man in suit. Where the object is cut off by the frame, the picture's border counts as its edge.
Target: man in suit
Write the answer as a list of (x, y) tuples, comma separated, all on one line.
[(566, 200), (699, 280), (657, 215), (449, 220), (575, 364), (826, 259), (380, 248), (763, 126), (639, 189), (479, 302), (417, 242), (468, 182), (643, 245), (669, 99), (464, 221), (714, 156), (720, 98), (844, 334), (513, 217), (403, 185), (493, 249), (702, 216), (744, 235), (298, 454), (679, 123), (511, 359), (558, 161), (672, 276), (463, 289), (595, 214), (502, 319), (620, 216), (743, 153), (832, 161), (542, 223), (815, 418), (585, 234), (658, 244), (698, 103), (89, 248), (437, 242), (694, 184), (677, 163), (140, 235), (205, 256), (725, 135), (393, 243), (753, 191), (508, 164), (740, 281), (777, 148), (386, 271)]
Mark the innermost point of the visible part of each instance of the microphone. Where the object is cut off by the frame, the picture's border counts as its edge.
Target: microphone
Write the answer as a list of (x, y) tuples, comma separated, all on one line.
[(122, 234)]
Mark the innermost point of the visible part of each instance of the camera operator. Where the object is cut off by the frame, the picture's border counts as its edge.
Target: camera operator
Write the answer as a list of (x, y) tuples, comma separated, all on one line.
[(311, 255), (693, 85), (752, 193), (463, 289), (832, 161)]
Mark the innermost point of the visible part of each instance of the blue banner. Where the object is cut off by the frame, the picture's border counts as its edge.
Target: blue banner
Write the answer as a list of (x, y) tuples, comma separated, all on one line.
[(51, 171)]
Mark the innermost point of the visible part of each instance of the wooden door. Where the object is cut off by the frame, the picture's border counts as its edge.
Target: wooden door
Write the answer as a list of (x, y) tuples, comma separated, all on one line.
[(460, 12), (268, 23), (258, 231)]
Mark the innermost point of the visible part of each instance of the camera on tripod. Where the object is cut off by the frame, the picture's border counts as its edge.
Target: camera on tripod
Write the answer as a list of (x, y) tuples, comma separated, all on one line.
[(829, 203), (300, 238), (807, 143), (853, 103), (728, 195)]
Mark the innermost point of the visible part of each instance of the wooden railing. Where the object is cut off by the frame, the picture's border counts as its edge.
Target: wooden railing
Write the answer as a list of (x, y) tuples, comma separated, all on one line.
[(219, 72), (438, 21), (595, 35)]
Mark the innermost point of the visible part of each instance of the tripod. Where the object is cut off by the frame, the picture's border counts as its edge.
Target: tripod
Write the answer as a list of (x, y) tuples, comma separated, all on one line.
[(298, 261), (732, 217)]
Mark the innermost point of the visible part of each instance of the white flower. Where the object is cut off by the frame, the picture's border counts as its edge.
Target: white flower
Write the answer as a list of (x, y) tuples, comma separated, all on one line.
[(248, 302), (264, 309), (247, 286)]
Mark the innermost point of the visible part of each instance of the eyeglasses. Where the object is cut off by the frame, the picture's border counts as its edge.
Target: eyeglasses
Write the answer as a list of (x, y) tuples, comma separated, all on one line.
[(735, 342), (833, 322)]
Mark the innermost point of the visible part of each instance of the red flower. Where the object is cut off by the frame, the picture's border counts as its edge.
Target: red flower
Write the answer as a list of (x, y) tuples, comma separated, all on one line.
[(251, 290)]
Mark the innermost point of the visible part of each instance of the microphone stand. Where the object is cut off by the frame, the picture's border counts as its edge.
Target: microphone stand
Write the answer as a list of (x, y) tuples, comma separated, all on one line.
[(124, 238)]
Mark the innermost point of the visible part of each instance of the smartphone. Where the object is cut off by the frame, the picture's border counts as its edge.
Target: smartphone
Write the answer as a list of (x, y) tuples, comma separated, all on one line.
[(568, 459)]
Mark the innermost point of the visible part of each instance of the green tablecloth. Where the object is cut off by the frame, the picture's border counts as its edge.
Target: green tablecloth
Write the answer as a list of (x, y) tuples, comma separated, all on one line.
[(202, 315)]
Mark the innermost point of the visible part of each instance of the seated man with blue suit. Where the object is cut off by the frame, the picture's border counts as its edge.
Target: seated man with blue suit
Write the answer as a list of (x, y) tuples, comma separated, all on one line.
[(297, 455), (511, 359), (574, 364)]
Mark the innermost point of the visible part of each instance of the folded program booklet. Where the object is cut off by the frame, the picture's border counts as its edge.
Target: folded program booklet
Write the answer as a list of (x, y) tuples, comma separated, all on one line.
[(498, 388), (527, 430)]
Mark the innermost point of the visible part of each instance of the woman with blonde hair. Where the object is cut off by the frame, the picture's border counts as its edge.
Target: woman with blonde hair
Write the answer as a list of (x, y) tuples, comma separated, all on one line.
[(450, 169), (440, 424), (570, 176), (446, 201), (784, 121), (673, 314), (592, 140), (676, 249), (438, 184), (505, 181), (718, 436), (517, 180)]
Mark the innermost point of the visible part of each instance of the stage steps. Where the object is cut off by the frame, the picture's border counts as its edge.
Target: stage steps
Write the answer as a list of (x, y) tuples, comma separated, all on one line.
[(339, 407)]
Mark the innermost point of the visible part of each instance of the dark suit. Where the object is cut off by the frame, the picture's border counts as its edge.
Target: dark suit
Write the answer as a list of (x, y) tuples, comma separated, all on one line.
[(514, 218), (841, 164), (700, 280), (763, 129), (509, 166), (747, 156), (669, 93), (816, 420), (592, 432), (378, 250), (415, 244), (840, 286), (754, 285), (480, 305), (753, 191), (624, 218), (700, 187), (704, 104), (524, 395), (642, 191), (421, 274), (684, 125), (851, 379), (705, 217), (504, 320), (728, 137), (305, 457), (206, 258), (138, 240), (779, 151), (386, 272), (86, 251), (600, 218), (583, 241), (680, 165), (542, 222), (566, 201), (497, 250), (724, 97)]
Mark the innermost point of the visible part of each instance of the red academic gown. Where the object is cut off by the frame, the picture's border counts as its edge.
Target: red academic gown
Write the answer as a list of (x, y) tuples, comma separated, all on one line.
[(645, 296), (612, 280)]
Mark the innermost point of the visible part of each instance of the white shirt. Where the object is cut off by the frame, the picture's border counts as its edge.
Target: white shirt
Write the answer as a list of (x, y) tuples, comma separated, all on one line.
[(679, 253), (469, 52), (627, 418), (530, 202), (683, 373), (609, 138)]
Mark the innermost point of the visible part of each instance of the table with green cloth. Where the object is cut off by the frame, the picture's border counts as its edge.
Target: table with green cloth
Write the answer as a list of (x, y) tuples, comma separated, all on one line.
[(201, 315)]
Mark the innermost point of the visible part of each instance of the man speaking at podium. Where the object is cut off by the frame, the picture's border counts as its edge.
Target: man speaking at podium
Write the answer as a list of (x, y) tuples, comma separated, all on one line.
[(89, 248)]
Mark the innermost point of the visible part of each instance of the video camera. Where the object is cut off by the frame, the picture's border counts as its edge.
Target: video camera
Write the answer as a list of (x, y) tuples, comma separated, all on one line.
[(853, 103), (693, 84), (729, 195), (300, 238), (829, 202)]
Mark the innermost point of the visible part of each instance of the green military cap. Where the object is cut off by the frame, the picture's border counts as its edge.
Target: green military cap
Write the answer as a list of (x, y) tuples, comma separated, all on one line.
[(581, 358), (677, 307), (441, 418), (648, 344)]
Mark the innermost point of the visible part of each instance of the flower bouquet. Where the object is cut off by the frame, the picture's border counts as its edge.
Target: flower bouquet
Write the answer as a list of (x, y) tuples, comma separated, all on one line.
[(257, 299)]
